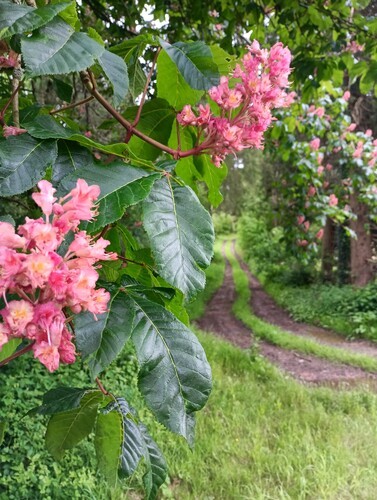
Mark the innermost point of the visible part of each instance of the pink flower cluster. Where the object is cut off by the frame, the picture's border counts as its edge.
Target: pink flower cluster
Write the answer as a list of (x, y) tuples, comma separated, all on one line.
[(246, 100), (49, 284)]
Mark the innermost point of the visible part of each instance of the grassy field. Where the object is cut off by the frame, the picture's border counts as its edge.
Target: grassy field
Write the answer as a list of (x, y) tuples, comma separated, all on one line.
[(261, 436)]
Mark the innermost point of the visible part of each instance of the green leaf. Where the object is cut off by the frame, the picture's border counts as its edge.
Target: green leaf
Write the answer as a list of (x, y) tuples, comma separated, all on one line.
[(60, 399), (69, 15), (116, 331), (224, 61), (23, 162), (181, 235), (139, 42), (116, 71), (57, 49), (156, 465), (68, 428), (17, 19), (195, 62), (63, 90), (212, 176), (9, 348), (71, 158), (136, 75), (133, 443), (108, 442), (2, 432), (121, 186), (171, 85), (174, 377), (9, 219), (45, 126), (156, 122)]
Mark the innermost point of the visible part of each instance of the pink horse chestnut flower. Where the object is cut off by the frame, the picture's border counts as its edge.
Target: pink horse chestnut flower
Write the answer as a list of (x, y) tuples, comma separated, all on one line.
[(50, 287)]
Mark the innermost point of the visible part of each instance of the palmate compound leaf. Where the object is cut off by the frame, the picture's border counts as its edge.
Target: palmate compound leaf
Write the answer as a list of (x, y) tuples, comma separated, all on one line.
[(15, 19), (121, 186), (58, 49), (68, 428), (181, 235), (174, 377), (23, 162)]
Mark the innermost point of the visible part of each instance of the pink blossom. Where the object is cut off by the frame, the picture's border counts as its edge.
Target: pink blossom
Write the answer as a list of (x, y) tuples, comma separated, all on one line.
[(368, 133), (45, 198), (319, 234), (346, 95), (320, 170), (300, 219), (302, 243), (329, 167), (17, 314), (88, 134), (4, 335), (9, 238), (47, 354), (314, 144), (351, 127), (47, 283), (306, 226), (10, 131), (186, 116), (333, 200), (311, 191)]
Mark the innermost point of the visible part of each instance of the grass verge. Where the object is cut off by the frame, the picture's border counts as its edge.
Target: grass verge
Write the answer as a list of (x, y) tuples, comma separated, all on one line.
[(276, 335), (214, 279)]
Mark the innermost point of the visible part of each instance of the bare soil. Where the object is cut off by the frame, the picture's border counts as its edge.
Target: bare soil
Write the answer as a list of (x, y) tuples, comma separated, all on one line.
[(220, 320)]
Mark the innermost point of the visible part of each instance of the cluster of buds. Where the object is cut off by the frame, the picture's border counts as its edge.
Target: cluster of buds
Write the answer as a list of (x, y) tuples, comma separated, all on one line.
[(246, 100), (49, 285)]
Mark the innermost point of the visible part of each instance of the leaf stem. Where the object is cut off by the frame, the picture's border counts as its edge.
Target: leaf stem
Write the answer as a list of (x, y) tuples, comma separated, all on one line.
[(17, 354), (101, 387), (143, 96), (10, 100)]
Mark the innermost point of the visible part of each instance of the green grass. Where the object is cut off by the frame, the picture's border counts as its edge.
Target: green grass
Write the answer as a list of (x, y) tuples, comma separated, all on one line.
[(215, 278), (263, 436), (277, 336)]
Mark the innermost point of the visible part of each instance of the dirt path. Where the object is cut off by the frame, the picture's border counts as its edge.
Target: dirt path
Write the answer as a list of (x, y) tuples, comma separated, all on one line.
[(220, 320)]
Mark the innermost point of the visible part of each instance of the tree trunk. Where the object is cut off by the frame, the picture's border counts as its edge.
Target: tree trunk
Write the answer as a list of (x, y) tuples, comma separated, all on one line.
[(344, 255), (328, 245), (361, 248)]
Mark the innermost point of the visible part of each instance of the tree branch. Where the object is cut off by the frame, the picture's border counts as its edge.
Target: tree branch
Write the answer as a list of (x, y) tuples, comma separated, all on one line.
[(17, 354)]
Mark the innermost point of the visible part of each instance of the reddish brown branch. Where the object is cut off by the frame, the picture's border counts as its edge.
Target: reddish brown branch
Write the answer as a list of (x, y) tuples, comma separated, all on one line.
[(72, 105), (176, 153), (143, 96), (9, 102)]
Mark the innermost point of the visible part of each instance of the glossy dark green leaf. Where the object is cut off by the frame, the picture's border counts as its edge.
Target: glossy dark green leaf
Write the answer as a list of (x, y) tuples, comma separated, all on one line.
[(133, 443), (15, 19), (174, 377), (71, 158), (116, 331), (195, 62), (58, 49), (121, 186), (181, 235), (68, 428), (156, 122), (108, 442), (156, 465), (63, 90), (23, 162), (60, 399), (116, 71)]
